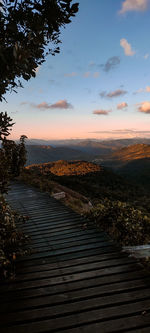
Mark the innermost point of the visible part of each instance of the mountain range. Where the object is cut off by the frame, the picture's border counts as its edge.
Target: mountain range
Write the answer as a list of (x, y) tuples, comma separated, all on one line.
[(77, 150), (130, 160), (44, 153)]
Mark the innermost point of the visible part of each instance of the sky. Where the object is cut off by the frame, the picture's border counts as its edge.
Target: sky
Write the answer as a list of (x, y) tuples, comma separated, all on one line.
[(98, 86)]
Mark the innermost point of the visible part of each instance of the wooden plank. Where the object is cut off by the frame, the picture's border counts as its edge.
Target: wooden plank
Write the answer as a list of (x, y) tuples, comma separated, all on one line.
[(70, 239), (58, 279), (134, 324), (49, 221), (60, 245), (74, 269), (77, 281), (74, 245), (62, 251), (76, 307), (75, 295), (78, 285), (70, 321), (65, 233), (71, 262), (65, 257)]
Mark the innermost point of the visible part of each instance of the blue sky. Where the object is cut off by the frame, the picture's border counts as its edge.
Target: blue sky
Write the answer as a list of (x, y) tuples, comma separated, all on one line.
[(99, 84)]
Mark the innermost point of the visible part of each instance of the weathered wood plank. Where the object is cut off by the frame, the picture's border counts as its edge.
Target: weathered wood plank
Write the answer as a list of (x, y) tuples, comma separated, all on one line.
[(85, 292), (70, 321), (77, 281), (74, 307), (79, 285)]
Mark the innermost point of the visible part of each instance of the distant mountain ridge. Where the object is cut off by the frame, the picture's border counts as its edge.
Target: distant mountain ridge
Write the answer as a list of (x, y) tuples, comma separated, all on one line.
[(45, 153), (133, 162), (127, 154), (109, 143), (106, 152), (132, 152)]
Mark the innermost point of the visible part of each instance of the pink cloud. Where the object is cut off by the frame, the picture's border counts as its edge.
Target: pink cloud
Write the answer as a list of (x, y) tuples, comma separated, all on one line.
[(101, 112), (70, 74), (116, 93), (96, 74), (127, 47), (62, 104), (133, 5), (144, 107), (23, 103), (142, 90), (122, 105), (86, 74)]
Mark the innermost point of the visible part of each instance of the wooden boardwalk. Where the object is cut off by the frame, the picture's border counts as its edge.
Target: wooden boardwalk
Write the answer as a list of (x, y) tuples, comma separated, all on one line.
[(75, 281)]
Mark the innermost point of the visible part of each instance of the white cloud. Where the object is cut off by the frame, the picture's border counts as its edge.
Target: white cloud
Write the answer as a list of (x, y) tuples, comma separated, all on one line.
[(122, 105), (133, 5), (148, 89), (127, 47)]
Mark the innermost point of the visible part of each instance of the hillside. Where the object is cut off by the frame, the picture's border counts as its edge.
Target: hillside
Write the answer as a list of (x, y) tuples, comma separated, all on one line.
[(93, 147), (88, 150), (118, 206), (64, 168), (138, 171), (46, 153), (133, 152), (88, 179), (132, 162), (121, 157)]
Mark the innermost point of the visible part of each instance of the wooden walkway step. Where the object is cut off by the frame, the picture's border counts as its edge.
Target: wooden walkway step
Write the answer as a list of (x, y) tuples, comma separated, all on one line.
[(76, 280)]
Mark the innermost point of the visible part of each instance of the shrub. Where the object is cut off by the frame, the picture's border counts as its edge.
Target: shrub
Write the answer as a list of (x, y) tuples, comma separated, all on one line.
[(11, 239), (127, 225)]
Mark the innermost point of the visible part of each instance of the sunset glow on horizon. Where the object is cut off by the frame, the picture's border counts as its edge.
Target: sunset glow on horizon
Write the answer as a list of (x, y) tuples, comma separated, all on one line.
[(98, 87)]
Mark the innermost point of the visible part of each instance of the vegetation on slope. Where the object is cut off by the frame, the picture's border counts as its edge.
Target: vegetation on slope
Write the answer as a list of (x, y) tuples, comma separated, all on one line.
[(64, 168), (119, 207), (127, 225), (132, 152)]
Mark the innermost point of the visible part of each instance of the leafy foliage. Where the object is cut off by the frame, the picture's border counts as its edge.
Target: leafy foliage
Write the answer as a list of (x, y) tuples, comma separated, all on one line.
[(129, 226), (26, 29), (12, 155), (5, 125), (22, 153), (12, 159), (11, 240)]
